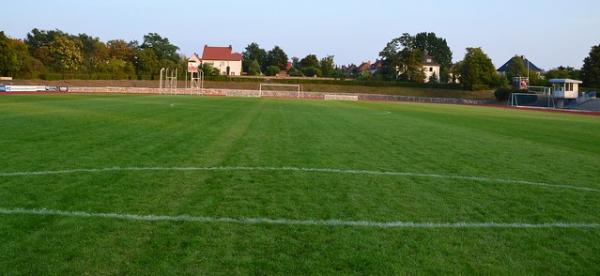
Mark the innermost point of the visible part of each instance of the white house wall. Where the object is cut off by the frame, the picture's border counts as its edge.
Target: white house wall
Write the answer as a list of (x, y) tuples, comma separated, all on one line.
[(235, 67), (430, 71)]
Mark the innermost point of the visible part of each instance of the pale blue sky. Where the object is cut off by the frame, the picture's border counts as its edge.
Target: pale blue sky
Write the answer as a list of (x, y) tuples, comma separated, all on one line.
[(353, 31)]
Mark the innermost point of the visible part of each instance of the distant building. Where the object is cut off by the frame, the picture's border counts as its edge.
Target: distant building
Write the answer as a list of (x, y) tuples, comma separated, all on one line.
[(528, 64), (364, 67), (431, 69), (224, 59)]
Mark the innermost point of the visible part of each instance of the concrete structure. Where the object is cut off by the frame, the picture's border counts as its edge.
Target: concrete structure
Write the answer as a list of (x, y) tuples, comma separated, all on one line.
[(224, 59), (565, 88), (565, 92)]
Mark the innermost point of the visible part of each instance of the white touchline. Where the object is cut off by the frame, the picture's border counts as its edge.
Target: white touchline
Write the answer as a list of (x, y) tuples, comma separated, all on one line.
[(321, 170), (330, 222)]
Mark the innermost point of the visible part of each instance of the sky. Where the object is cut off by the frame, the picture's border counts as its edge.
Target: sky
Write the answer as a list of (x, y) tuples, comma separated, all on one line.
[(549, 33)]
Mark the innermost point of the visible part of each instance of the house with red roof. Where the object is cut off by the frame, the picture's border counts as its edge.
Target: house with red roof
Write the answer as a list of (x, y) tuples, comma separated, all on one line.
[(228, 62)]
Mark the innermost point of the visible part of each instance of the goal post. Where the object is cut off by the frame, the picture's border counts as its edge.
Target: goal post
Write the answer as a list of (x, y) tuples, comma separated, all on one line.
[(295, 89), (532, 100)]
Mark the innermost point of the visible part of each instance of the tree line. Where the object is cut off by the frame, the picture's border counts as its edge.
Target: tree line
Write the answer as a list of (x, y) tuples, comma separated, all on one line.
[(53, 52), (47, 53), (257, 61)]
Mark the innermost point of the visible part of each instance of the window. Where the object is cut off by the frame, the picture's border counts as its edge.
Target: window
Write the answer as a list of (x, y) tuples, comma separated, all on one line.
[(430, 69)]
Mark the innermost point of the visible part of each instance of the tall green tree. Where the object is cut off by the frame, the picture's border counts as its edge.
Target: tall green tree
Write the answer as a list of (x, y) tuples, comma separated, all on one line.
[(563, 72), (400, 58), (591, 68), (254, 68), (94, 51), (411, 66), (516, 68), (66, 54), (310, 60), (477, 70), (162, 48), (437, 48), (9, 61), (277, 57), (252, 53), (147, 64), (121, 49), (327, 66), (38, 43)]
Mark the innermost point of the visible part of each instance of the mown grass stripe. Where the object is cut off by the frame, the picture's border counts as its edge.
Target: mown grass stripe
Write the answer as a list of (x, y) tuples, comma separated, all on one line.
[(331, 222), (320, 170)]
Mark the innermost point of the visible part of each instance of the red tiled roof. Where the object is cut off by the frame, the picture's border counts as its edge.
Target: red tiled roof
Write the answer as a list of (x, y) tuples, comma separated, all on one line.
[(220, 53)]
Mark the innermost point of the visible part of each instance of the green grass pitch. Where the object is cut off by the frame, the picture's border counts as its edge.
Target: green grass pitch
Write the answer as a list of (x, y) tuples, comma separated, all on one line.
[(453, 164)]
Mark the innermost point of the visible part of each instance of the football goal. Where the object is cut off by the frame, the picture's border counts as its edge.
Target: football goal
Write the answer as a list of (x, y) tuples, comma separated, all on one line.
[(532, 100), (279, 90)]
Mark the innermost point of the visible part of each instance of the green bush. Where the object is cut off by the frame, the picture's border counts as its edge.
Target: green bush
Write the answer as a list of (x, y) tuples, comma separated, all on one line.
[(294, 72), (272, 70), (502, 94), (311, 72)]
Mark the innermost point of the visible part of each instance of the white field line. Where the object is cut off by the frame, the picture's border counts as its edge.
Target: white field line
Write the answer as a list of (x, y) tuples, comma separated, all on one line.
[(263, 221), (318, 170)]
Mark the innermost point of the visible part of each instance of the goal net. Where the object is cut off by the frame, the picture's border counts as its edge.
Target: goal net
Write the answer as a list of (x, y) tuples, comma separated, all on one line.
[(532, 100), (280, 90)]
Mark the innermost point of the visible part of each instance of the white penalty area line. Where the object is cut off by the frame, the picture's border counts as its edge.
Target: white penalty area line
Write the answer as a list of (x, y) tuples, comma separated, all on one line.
[(316, 170), (292, 222)]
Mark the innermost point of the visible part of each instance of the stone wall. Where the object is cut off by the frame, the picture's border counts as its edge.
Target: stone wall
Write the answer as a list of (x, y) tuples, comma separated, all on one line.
[(272, 94)]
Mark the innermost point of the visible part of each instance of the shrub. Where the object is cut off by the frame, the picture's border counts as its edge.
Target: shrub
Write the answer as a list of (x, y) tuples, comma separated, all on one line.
[(311, 71), (272, 70), (294, 72), (254, 68), (502, 94)]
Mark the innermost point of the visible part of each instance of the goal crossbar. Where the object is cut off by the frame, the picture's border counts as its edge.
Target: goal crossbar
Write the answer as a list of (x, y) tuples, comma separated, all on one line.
[(297, 87)]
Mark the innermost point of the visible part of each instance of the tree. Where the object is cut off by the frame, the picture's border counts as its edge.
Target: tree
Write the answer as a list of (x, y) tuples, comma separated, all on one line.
[(277, 57), (327, 66), (516, 68), (147, 64), (210, 70), (94, 51), (591, 68), (401, 57), (296, 63), (433, 78), (311, 71), (117, 68), (9, 62), (411, 67), (161, 47), (120, 49), (273, 70), (563, 72), (38, 42), (437, 48), (477, 70), (310, 61), (295, 72), (254, 68), (66, 54), (253, 53)]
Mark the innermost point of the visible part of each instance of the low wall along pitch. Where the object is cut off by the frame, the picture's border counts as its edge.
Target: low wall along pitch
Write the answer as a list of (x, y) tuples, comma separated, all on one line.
[(275, 94)]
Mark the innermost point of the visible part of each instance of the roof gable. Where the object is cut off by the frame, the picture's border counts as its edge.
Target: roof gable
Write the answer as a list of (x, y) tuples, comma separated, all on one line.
[(532, 66), (220, 53)]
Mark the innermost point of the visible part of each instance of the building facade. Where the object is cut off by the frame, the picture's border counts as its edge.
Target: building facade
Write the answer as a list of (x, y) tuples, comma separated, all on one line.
[(224, 59), (431, 69)]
